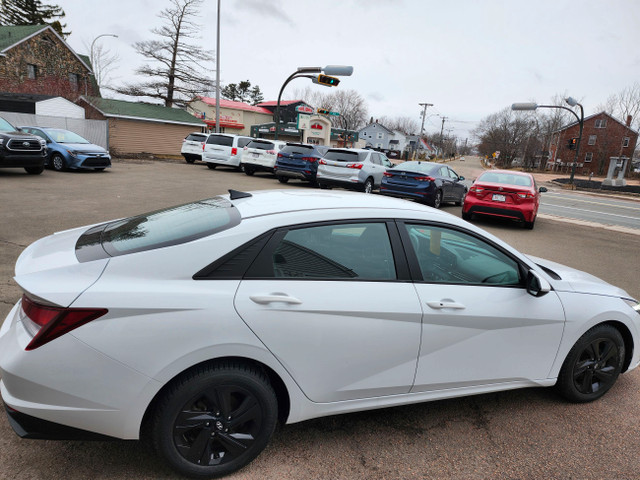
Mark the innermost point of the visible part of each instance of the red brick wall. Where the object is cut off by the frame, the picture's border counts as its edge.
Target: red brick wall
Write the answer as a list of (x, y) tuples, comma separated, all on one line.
[(608, 144), (54, 62)]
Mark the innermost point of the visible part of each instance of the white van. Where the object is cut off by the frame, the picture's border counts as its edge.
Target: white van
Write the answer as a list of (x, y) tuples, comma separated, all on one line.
[(224, 149)]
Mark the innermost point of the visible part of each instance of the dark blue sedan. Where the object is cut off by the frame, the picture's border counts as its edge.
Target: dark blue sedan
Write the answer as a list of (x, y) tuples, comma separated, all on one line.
[(68, 150), (427, 182), (298, 160)]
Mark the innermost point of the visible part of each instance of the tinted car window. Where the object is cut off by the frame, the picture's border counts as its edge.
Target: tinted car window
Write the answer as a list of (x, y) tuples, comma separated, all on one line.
[(220, 140), (297, 149), (242, 142), (342, 156), (358, 251), (505, 178), (260, 144), (196, 137), (450, 256), (170, 226)]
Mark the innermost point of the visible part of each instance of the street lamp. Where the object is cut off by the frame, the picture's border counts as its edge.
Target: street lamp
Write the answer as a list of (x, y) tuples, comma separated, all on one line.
[(572, 102), (331, 70), (91, 55)]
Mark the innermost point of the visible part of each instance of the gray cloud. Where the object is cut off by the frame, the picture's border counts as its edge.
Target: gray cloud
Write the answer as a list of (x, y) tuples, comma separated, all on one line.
[(271, 9)]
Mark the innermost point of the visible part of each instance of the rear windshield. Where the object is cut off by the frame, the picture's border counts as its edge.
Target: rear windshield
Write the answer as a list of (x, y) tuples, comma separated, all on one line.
[(242, 142), (261, 144), (297, 149), (341, 156), (220, 140), (196, 137), (505, 178), (421, 167), (162, 228)]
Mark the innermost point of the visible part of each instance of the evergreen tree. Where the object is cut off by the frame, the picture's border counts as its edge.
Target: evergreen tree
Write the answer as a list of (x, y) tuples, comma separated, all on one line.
[(242, 92), (32, 12)]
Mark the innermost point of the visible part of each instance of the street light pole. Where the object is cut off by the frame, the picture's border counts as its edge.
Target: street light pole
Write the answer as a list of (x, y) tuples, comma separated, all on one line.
[(572, 102), (92, 56), (218, 72)]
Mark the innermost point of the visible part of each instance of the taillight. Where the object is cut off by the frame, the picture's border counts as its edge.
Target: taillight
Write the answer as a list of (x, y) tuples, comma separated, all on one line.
[(322, 162), (388, 174), (280, 155), (309, 159), (203, 147), (234, 151), (424, 179), (271, 152), (48, 323), (476, 190), (525, 195), (357, 166)]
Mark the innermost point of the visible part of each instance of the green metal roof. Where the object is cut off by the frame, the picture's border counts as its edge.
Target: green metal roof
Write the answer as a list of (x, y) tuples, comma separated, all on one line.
[(142, 111), (10, 35)]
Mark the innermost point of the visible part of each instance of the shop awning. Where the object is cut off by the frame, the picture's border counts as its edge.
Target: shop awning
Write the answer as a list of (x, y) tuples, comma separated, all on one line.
[(212, 123)]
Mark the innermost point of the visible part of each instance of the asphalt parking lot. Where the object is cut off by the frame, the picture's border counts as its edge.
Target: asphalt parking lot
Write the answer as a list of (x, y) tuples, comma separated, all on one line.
[(519, 434)]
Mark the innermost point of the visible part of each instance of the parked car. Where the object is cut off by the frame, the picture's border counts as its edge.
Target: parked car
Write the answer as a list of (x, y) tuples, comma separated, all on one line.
[(260, 155), (352, 168), (68, 150), (198, 327), (299, 160), (430, 183), (224, 149), (192, 146), (20, 149), (504, 194)]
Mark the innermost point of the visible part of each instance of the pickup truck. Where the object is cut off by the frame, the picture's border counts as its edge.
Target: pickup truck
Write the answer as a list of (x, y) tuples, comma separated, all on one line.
[(21, 150)]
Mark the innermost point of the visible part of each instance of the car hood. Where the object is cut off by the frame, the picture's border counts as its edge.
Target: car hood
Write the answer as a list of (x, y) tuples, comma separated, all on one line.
[(49, 269), (84, 147), (572, 280)]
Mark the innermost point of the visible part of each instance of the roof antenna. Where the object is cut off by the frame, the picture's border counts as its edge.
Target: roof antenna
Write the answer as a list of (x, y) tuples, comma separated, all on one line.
[(236, 194)]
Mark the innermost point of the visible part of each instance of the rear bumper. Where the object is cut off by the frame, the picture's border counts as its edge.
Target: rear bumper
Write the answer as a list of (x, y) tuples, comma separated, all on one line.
[(519, 215), (415, 194), (284, 172)]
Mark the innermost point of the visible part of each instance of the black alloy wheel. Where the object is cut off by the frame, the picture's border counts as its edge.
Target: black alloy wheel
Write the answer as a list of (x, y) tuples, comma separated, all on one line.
[(593, 365), (215, 420), (57, 162)]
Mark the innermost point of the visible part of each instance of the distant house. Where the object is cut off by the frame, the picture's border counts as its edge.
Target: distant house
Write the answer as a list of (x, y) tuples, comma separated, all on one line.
[(34, 59), (603, 137), (136, 128), (376, 135)]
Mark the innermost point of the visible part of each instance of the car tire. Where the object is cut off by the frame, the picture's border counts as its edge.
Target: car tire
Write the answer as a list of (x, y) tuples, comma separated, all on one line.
[(34, 170), (437, 199), (466, 216), (189, 159), (214, 419), (368, 185), (99, 169), (282, 179), (212, 166), (323, 186), (592, 365), (529, 225), (459, 202), (57, 162), (248, 169)]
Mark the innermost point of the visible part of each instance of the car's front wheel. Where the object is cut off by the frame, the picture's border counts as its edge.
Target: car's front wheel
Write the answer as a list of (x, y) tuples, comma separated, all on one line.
[(214, 420), (34, 170), (593, 365), (57, 162)]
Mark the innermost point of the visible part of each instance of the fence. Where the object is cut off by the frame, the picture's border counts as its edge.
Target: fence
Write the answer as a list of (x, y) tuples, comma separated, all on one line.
[(96, 131)]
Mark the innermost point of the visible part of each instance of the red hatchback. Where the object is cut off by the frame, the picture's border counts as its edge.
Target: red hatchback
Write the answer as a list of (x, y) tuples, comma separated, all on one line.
[(503, 193)]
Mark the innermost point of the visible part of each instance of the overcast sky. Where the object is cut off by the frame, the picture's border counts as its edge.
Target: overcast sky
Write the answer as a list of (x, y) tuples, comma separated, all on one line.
[(470, 58)]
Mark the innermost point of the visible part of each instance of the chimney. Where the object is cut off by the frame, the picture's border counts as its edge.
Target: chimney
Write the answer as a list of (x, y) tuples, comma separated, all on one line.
[(628, 120)]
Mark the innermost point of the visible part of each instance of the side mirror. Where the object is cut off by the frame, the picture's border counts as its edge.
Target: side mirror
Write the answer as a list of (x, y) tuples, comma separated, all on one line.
[(461, 178), (536, 285), (542, 189)]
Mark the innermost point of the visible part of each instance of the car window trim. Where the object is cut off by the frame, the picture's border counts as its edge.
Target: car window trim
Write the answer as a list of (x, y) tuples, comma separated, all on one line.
[(414, 266), (262, 266)]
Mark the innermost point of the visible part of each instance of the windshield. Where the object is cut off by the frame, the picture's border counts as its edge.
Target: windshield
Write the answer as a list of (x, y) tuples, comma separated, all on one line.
[(6, 126), (65, 136), (506, 178)]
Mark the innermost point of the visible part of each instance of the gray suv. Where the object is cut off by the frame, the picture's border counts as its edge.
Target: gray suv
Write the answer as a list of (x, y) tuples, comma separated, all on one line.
[(352, 168)]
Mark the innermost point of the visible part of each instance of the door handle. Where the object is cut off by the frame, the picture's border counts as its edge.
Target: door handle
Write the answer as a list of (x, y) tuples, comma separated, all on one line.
[(439, 305), (273, 298)]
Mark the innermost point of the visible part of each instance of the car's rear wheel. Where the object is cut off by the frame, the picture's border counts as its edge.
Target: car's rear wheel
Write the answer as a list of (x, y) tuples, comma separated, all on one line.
[(593, 365), (248, 169), (282, 179), (212, 166), (99, 169), (529, 225), (215, 419), (466, 216), (57, 162), (34, 170), (368, 185), (437, 199)]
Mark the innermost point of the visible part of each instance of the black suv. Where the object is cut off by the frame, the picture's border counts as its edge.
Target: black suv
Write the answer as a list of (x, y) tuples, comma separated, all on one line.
[(21, 150), (298, 160)]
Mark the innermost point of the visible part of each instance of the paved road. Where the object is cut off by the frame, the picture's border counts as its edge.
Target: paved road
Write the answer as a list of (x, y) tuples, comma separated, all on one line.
[(521, 434)]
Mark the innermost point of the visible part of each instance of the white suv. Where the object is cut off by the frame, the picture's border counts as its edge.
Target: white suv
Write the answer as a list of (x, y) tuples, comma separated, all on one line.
[(192, 146), (260, 154), (352, 168), (224, 149)]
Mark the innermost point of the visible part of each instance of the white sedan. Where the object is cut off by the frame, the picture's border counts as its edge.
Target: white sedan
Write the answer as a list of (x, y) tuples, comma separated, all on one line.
[(201, 326)]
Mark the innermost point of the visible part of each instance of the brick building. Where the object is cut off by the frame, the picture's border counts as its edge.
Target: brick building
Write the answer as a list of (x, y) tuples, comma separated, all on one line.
[(603, 137), (34, 59)]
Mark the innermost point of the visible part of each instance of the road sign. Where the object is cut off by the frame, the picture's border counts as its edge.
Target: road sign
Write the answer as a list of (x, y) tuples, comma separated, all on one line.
[(335, 114)]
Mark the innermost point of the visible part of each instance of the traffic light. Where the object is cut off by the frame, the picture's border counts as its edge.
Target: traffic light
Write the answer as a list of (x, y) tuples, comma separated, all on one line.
[(327, 80), (572, 143), (323, 111)]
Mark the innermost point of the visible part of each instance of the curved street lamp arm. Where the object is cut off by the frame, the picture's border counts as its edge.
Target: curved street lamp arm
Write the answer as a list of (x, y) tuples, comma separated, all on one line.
[(296, 74)]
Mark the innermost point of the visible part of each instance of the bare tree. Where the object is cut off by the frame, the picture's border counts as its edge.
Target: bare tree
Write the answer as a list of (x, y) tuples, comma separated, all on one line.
[(504, 132), (405, 125), (349, 104), (178, 67), (103, 63)]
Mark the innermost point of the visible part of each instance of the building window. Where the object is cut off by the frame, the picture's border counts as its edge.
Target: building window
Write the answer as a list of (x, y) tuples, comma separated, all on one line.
[(74, 80), (592, 139), (379, 135), (602, 123), (588, 157), (625, 142), (32, 71)]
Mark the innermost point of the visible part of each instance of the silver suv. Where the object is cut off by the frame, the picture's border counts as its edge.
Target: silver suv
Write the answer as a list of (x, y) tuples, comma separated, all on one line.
[(352, 168), (224, 149)]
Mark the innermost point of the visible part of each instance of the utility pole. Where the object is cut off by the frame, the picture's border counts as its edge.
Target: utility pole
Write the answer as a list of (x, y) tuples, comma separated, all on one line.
[(424, 116), (441, 137)]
